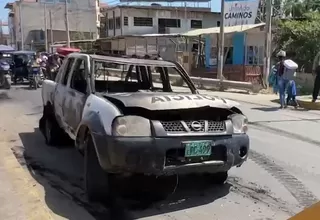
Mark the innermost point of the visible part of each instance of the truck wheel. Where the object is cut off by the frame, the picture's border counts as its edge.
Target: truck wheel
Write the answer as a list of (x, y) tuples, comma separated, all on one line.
[(96, 180), (51, 131), (217, 178)]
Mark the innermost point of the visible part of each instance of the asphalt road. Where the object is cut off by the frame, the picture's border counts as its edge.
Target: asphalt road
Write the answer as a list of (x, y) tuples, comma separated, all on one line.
[(280, 178)]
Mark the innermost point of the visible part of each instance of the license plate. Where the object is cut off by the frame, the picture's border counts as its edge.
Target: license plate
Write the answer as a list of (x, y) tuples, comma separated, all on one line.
[(197, 148)]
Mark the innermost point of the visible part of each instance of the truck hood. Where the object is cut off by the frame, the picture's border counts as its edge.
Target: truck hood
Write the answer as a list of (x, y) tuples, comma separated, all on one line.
[(169, 101)]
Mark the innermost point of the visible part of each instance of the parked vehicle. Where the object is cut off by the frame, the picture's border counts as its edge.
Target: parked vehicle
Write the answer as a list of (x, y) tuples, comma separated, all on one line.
[(139, 123), (5, 75), (22, 61)]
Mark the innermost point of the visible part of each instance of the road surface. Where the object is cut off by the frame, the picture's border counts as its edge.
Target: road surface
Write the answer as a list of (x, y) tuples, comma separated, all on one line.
[(280, 178)]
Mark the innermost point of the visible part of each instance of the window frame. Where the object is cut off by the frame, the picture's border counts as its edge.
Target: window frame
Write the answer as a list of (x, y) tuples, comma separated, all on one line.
[(66, 73), (193, 24), (137, 20), (117, 22), (125, 21), (74, 72)]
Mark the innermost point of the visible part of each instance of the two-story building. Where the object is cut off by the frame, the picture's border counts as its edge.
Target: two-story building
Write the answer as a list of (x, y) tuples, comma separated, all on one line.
[(31, 18), (128, 20)]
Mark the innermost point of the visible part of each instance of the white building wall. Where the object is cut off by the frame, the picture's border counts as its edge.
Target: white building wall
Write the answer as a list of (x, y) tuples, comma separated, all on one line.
[(208, 20)]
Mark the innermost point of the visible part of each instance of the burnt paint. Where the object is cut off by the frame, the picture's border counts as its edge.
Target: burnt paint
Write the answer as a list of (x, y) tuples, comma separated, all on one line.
[(168, 98)]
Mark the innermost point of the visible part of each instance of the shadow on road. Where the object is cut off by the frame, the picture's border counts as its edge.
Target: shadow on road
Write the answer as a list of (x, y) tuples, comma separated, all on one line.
[(61, 170), (267, 109)]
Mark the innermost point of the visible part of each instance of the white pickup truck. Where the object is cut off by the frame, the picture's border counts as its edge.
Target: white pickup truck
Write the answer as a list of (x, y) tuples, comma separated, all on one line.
[(127, 117)]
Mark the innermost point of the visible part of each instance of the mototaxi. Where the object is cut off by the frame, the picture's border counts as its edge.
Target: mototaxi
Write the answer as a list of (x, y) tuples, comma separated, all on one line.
[(22, 64)]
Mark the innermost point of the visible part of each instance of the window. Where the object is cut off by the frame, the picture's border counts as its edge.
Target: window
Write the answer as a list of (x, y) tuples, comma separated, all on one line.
[(168, 22), (132, 77), (196, 24), (159, 82), (67, 72), (63, 1), (254, 55), (118, 23), (110, 24), (78, 80), (125, 21), (142, 22)]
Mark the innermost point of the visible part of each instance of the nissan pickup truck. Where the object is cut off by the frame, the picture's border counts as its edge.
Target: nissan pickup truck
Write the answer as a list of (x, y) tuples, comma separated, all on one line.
[(132, 116)]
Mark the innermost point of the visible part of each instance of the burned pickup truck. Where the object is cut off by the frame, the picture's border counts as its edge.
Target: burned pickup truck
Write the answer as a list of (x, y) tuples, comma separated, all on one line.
[(128, 116)]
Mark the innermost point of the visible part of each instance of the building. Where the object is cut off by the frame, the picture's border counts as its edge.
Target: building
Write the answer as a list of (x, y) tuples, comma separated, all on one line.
[(40, 16), (127, 20)]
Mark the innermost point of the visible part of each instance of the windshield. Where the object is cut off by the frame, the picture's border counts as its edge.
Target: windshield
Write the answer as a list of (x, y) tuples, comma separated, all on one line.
[(117, 77)]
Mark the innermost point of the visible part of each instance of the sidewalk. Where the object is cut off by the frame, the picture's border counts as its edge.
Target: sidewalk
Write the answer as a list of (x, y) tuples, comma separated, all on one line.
[(257, 99)]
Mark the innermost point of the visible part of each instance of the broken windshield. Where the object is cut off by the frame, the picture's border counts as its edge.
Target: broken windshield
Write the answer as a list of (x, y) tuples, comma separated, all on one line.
[(118, 77)]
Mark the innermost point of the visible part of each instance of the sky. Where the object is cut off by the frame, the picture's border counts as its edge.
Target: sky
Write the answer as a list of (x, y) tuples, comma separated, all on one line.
[(215, 6)]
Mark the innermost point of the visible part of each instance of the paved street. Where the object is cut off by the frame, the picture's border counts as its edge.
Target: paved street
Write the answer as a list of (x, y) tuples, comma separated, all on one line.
[(280, 178)]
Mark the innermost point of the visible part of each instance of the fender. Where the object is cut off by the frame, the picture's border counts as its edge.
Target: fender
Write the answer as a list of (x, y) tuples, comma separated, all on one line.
[(97, 117), (92, 122)]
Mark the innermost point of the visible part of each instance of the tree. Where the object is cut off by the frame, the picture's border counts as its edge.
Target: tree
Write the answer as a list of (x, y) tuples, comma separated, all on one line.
[(300, 38)]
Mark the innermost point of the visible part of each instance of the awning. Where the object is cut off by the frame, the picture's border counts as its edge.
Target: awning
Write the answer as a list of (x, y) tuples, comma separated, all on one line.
[(227, 30), (66, 50)]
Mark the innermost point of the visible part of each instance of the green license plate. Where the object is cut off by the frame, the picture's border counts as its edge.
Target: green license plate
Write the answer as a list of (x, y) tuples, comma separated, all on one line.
[(197, 148)]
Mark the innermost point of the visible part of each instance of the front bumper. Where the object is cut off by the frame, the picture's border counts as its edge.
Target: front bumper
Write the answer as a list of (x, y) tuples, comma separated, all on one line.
[(165, 155)]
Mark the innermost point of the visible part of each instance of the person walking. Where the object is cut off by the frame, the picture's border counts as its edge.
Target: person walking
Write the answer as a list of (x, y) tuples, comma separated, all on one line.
[(316, 71), (282, 82)]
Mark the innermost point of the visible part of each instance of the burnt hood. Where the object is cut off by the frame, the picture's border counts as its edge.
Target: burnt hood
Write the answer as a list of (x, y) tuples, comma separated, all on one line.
[(168, 101)]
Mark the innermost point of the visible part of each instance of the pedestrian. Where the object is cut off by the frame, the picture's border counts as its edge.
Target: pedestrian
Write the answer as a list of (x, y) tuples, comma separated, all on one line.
[(282, 82), (316, 71)]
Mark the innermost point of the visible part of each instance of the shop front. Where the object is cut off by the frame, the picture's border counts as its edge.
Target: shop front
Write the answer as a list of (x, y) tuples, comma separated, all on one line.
[(243, 53)]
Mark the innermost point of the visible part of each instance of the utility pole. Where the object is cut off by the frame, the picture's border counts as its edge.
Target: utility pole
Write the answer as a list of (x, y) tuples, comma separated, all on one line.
[(45, 27), (21, 26), (67, 23), (221, 46), (51, 31), (268, 40)]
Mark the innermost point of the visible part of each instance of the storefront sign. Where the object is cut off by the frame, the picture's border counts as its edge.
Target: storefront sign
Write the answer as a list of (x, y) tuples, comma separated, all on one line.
[(240, 12)]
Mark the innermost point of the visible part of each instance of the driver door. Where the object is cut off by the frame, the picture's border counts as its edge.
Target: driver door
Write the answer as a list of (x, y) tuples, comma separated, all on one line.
[(60, 91), (76, 94)]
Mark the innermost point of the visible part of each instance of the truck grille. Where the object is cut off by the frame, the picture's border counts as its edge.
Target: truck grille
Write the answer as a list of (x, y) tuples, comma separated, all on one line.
[(187, 126)]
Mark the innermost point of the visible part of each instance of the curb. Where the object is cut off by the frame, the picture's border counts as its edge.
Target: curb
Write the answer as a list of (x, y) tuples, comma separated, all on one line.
[(307, 104)]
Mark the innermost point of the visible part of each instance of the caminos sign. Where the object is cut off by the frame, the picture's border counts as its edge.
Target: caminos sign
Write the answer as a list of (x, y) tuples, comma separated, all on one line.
[(240, 12)]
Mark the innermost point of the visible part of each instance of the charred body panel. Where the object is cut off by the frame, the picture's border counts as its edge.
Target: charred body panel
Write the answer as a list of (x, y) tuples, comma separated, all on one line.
[(165, 155), (162, 153), (166, 101)]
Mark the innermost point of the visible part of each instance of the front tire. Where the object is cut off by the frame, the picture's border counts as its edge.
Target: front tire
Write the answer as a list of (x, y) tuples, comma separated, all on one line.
[(96, 180), (51, 131)]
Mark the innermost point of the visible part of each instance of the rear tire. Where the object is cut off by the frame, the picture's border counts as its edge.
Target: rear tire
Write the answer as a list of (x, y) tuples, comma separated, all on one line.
[(96, 180)]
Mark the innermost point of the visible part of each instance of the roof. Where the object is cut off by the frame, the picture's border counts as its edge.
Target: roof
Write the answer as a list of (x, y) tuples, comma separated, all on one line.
[(122, 60), (216, 30), (9, 5), (23, 51), (140, 36), (151, 7)]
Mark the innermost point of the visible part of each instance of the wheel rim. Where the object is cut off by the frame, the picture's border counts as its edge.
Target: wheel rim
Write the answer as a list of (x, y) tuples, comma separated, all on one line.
[(48, 130)]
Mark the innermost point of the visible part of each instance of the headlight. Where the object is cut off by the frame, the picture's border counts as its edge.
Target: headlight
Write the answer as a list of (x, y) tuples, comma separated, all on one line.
[(239, 122), (134, 126)]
